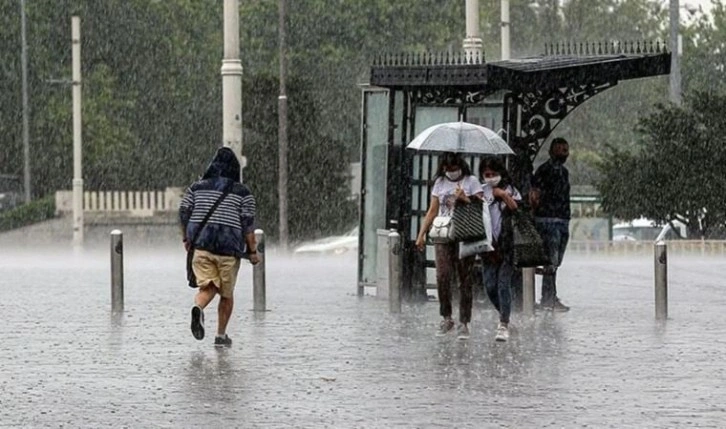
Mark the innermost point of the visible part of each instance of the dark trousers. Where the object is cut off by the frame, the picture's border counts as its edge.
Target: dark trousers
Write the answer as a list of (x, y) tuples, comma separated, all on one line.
[(498, 282), (555, 235), (448, 262)]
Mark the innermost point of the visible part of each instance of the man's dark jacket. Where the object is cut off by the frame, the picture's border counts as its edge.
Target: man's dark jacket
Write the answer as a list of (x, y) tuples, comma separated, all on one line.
[(232, 219)]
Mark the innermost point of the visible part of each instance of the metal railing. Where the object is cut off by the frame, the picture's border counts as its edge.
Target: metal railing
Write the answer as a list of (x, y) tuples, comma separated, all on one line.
[(626, 248)]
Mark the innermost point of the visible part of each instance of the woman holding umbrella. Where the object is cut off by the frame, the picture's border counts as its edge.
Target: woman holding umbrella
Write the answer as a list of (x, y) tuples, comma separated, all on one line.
[(453, 183)]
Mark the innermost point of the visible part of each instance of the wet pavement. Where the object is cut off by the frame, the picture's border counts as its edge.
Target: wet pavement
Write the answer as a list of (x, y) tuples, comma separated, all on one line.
[(324, 358)]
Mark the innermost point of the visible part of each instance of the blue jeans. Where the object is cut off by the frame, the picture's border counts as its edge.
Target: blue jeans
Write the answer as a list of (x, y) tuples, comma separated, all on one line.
[(555, 234), (498, 283)]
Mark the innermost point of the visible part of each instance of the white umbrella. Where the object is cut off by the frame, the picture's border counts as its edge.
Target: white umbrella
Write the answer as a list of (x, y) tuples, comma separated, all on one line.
[(460, 137)]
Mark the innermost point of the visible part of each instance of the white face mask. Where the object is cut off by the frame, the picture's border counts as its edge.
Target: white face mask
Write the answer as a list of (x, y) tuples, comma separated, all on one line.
[(493, 181), (453, 175)]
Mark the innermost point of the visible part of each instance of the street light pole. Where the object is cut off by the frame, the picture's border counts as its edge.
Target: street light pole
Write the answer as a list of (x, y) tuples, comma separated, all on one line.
[(472, 42), (675, 75), (282, 128), (77, 133), (506, 54), (24, 85), (232, 82)]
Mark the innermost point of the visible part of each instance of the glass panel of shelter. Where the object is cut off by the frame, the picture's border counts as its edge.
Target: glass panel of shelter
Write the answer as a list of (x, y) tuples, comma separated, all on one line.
[(375, 140)]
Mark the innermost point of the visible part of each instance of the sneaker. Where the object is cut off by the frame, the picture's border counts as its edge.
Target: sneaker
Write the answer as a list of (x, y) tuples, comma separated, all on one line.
[(463, 332), (502, 333), (222, 341), (197, 322), (445, 327), (559, 307)]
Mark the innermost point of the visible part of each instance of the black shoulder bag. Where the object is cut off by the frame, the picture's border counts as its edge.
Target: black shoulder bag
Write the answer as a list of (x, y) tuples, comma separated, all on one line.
[(191, 278)]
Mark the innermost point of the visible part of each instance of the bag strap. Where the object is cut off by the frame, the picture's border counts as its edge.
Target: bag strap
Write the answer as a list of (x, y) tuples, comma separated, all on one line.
[(216, 204)]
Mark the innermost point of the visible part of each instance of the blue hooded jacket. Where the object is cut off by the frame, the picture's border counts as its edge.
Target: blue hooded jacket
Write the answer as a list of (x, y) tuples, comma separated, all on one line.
[(234, 217)]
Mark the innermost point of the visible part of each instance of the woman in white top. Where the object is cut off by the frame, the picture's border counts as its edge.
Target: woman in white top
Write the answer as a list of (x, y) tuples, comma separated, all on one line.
[(498, 269), (453, 182)]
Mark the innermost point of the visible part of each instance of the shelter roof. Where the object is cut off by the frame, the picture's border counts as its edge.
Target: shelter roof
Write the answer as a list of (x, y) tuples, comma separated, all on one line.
[(561, 65)]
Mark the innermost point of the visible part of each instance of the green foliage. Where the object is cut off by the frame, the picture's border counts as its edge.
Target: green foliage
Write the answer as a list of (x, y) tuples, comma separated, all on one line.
[(317, 188), (28, 214), (704, 56), (678, 169)]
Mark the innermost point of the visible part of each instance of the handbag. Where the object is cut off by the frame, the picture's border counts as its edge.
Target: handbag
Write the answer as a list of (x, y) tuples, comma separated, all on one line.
[(191, 277), (441, 230), (483, 244), (468, 223), (527, 246)]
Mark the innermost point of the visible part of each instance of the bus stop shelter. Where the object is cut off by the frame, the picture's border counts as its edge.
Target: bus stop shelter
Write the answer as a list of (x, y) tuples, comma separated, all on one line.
[(526, 98)]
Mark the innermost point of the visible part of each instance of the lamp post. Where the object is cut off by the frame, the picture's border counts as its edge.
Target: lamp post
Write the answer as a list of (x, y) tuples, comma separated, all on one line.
[(24, 85), (472, 42), (675, 75), (282, 128), (232, 82), (506, 54), (77, 133)]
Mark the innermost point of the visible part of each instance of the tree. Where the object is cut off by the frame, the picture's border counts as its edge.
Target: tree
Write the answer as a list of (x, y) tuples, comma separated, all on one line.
[(318, 189), (676, 172), (704, 52)]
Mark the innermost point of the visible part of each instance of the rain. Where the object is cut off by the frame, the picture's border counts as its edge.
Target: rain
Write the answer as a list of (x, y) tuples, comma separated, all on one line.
[(331, 347)]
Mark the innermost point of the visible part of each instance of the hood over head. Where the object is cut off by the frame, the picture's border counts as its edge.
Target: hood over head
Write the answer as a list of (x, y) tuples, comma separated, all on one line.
[(224, 164)]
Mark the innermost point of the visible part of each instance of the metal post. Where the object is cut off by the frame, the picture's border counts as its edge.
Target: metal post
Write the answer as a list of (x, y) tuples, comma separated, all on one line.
[(24, 85), (282, 129), (472, 42), (117, 271), (395, 266), (258, 277), (528, 291), (675, 75), (77, 133), (232, 82), (506, 54), (661, 280)]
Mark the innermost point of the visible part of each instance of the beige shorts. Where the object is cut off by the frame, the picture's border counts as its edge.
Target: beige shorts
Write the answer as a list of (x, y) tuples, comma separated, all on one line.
[(216, 269)]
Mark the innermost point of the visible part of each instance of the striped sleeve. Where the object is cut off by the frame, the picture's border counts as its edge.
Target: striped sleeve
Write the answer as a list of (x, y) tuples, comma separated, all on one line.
[(186, 207), (247, 214)]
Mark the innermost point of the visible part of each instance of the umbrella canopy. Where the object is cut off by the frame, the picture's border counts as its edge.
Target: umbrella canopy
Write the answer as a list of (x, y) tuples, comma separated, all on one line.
[(460, 137)]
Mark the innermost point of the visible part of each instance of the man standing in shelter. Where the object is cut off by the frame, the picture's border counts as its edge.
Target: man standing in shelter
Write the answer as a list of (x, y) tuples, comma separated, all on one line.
[(550, 199), (217, 215)]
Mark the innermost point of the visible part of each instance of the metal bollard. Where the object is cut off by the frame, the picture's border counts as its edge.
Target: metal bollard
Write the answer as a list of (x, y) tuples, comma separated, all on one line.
[(528, 297), (117, 271), (258, 277), (395, 266), (661, 280)]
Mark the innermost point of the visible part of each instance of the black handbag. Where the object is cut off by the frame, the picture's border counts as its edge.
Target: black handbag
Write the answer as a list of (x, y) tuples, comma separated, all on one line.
[(191, 277), (468, 222), (527, 246)]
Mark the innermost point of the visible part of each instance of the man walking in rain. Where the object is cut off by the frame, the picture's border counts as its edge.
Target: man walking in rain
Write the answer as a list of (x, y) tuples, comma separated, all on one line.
[(550, 199), (217, 215)]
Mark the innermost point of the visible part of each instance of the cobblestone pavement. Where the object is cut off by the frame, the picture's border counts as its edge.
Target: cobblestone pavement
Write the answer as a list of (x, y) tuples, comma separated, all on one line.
[(324, 358)]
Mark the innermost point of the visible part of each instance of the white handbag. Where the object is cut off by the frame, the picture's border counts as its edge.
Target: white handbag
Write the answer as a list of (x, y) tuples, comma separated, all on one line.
[(442, 230)]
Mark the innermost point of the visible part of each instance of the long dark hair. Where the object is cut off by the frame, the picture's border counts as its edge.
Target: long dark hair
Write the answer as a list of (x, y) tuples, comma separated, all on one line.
[(495, 164), (448, 159)]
